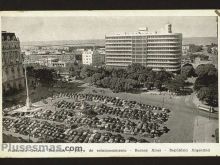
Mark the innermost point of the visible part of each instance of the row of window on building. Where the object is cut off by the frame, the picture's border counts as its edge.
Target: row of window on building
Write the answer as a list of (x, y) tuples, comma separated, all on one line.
[(11, 70), (10, 46)]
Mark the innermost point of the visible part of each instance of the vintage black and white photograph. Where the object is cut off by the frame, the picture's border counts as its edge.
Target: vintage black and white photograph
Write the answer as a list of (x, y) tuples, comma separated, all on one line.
[(110, 79)]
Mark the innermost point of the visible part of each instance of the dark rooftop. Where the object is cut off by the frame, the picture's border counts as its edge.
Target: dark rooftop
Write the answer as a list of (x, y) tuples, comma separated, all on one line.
[(8, 36)]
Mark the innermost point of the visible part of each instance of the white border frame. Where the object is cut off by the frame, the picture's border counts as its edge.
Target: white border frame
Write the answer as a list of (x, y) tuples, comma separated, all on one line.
[(214, 147)]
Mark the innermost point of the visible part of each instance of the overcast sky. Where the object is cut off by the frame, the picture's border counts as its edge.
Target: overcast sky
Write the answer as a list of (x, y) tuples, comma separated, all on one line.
[(85, 27)]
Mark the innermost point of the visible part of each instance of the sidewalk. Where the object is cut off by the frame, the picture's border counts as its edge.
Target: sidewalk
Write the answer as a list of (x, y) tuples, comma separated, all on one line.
[(197, 102), (204, 129)]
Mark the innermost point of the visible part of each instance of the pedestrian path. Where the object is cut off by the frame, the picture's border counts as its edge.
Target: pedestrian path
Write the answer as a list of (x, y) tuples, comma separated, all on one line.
[(204, 129)]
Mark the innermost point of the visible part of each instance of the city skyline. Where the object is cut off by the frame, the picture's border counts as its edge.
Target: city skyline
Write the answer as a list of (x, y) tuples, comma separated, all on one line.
[(82, 28)]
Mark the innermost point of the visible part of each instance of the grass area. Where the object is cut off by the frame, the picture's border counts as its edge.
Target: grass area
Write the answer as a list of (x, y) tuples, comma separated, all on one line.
[(42, 92), (12, 139)]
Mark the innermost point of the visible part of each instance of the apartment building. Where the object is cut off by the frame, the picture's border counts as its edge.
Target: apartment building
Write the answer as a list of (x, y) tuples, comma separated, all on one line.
[(158, 50), (12, 63), (92, 57), (185, 49)]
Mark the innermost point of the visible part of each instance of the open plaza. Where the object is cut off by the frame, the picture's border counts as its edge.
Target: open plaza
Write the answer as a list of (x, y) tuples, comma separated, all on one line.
[(97, 115)]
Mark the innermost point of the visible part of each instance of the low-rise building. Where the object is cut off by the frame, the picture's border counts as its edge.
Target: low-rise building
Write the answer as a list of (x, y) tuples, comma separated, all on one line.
[(102, 54), (59, 64), (185, 49), (214, 50), (92, 57)]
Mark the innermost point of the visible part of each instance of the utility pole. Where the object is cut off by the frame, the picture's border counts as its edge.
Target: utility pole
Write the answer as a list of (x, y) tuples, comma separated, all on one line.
[(209, 112), (29, 136), (140, 98)]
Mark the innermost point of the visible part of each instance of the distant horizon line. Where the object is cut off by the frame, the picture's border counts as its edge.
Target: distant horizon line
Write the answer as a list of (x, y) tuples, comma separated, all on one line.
[(98, 39)]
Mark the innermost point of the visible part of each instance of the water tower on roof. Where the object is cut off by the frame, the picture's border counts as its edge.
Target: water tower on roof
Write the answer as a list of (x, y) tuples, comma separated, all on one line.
[(168, 28), (141, 29)]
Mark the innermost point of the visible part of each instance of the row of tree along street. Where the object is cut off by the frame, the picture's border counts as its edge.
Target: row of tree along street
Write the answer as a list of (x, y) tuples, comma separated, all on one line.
[(135, 77), (206, 84)]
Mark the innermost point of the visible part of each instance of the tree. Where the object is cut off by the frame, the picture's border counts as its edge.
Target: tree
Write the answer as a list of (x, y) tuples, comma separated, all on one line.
[(105, 82), (113, 82), (158, 84), (209, 95), (119, 86), (202, 93), (121, 73), (195, 48), (89, 112), (209, 49), (130, 84), (74, 69), (163, 76), (199, 83), (148, 85), (151, 77), (207, 74), (206, 69), (135, 68), (188, 70), (95, 77), (176, 84), (30, 71), (206, 84), (133, 76), (45, 76), (87, 71), (141, 78)]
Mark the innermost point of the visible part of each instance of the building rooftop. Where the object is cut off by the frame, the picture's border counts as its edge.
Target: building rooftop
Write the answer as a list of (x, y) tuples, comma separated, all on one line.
[(143, 31), (8, 36)]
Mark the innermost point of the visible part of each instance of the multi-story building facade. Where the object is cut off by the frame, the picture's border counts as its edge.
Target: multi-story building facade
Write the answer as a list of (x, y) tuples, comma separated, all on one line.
[(158, 50), (92, 57), (12, 63), (62, 57), (101, 51), (185, 49)]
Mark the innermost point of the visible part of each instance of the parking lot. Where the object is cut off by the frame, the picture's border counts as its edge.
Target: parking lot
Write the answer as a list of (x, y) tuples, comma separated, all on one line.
[(64, 118)]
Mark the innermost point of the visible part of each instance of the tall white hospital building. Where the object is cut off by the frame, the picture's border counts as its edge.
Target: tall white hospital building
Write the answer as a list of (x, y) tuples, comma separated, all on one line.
[(158, 50)]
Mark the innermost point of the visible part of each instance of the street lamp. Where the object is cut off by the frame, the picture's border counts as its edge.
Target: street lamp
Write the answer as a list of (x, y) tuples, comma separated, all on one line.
[(209, 112), (197, 117), (140, 98), (163, 101)]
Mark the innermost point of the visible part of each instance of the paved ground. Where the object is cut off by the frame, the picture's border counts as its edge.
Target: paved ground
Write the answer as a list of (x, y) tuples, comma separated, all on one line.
[(204, 129)]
